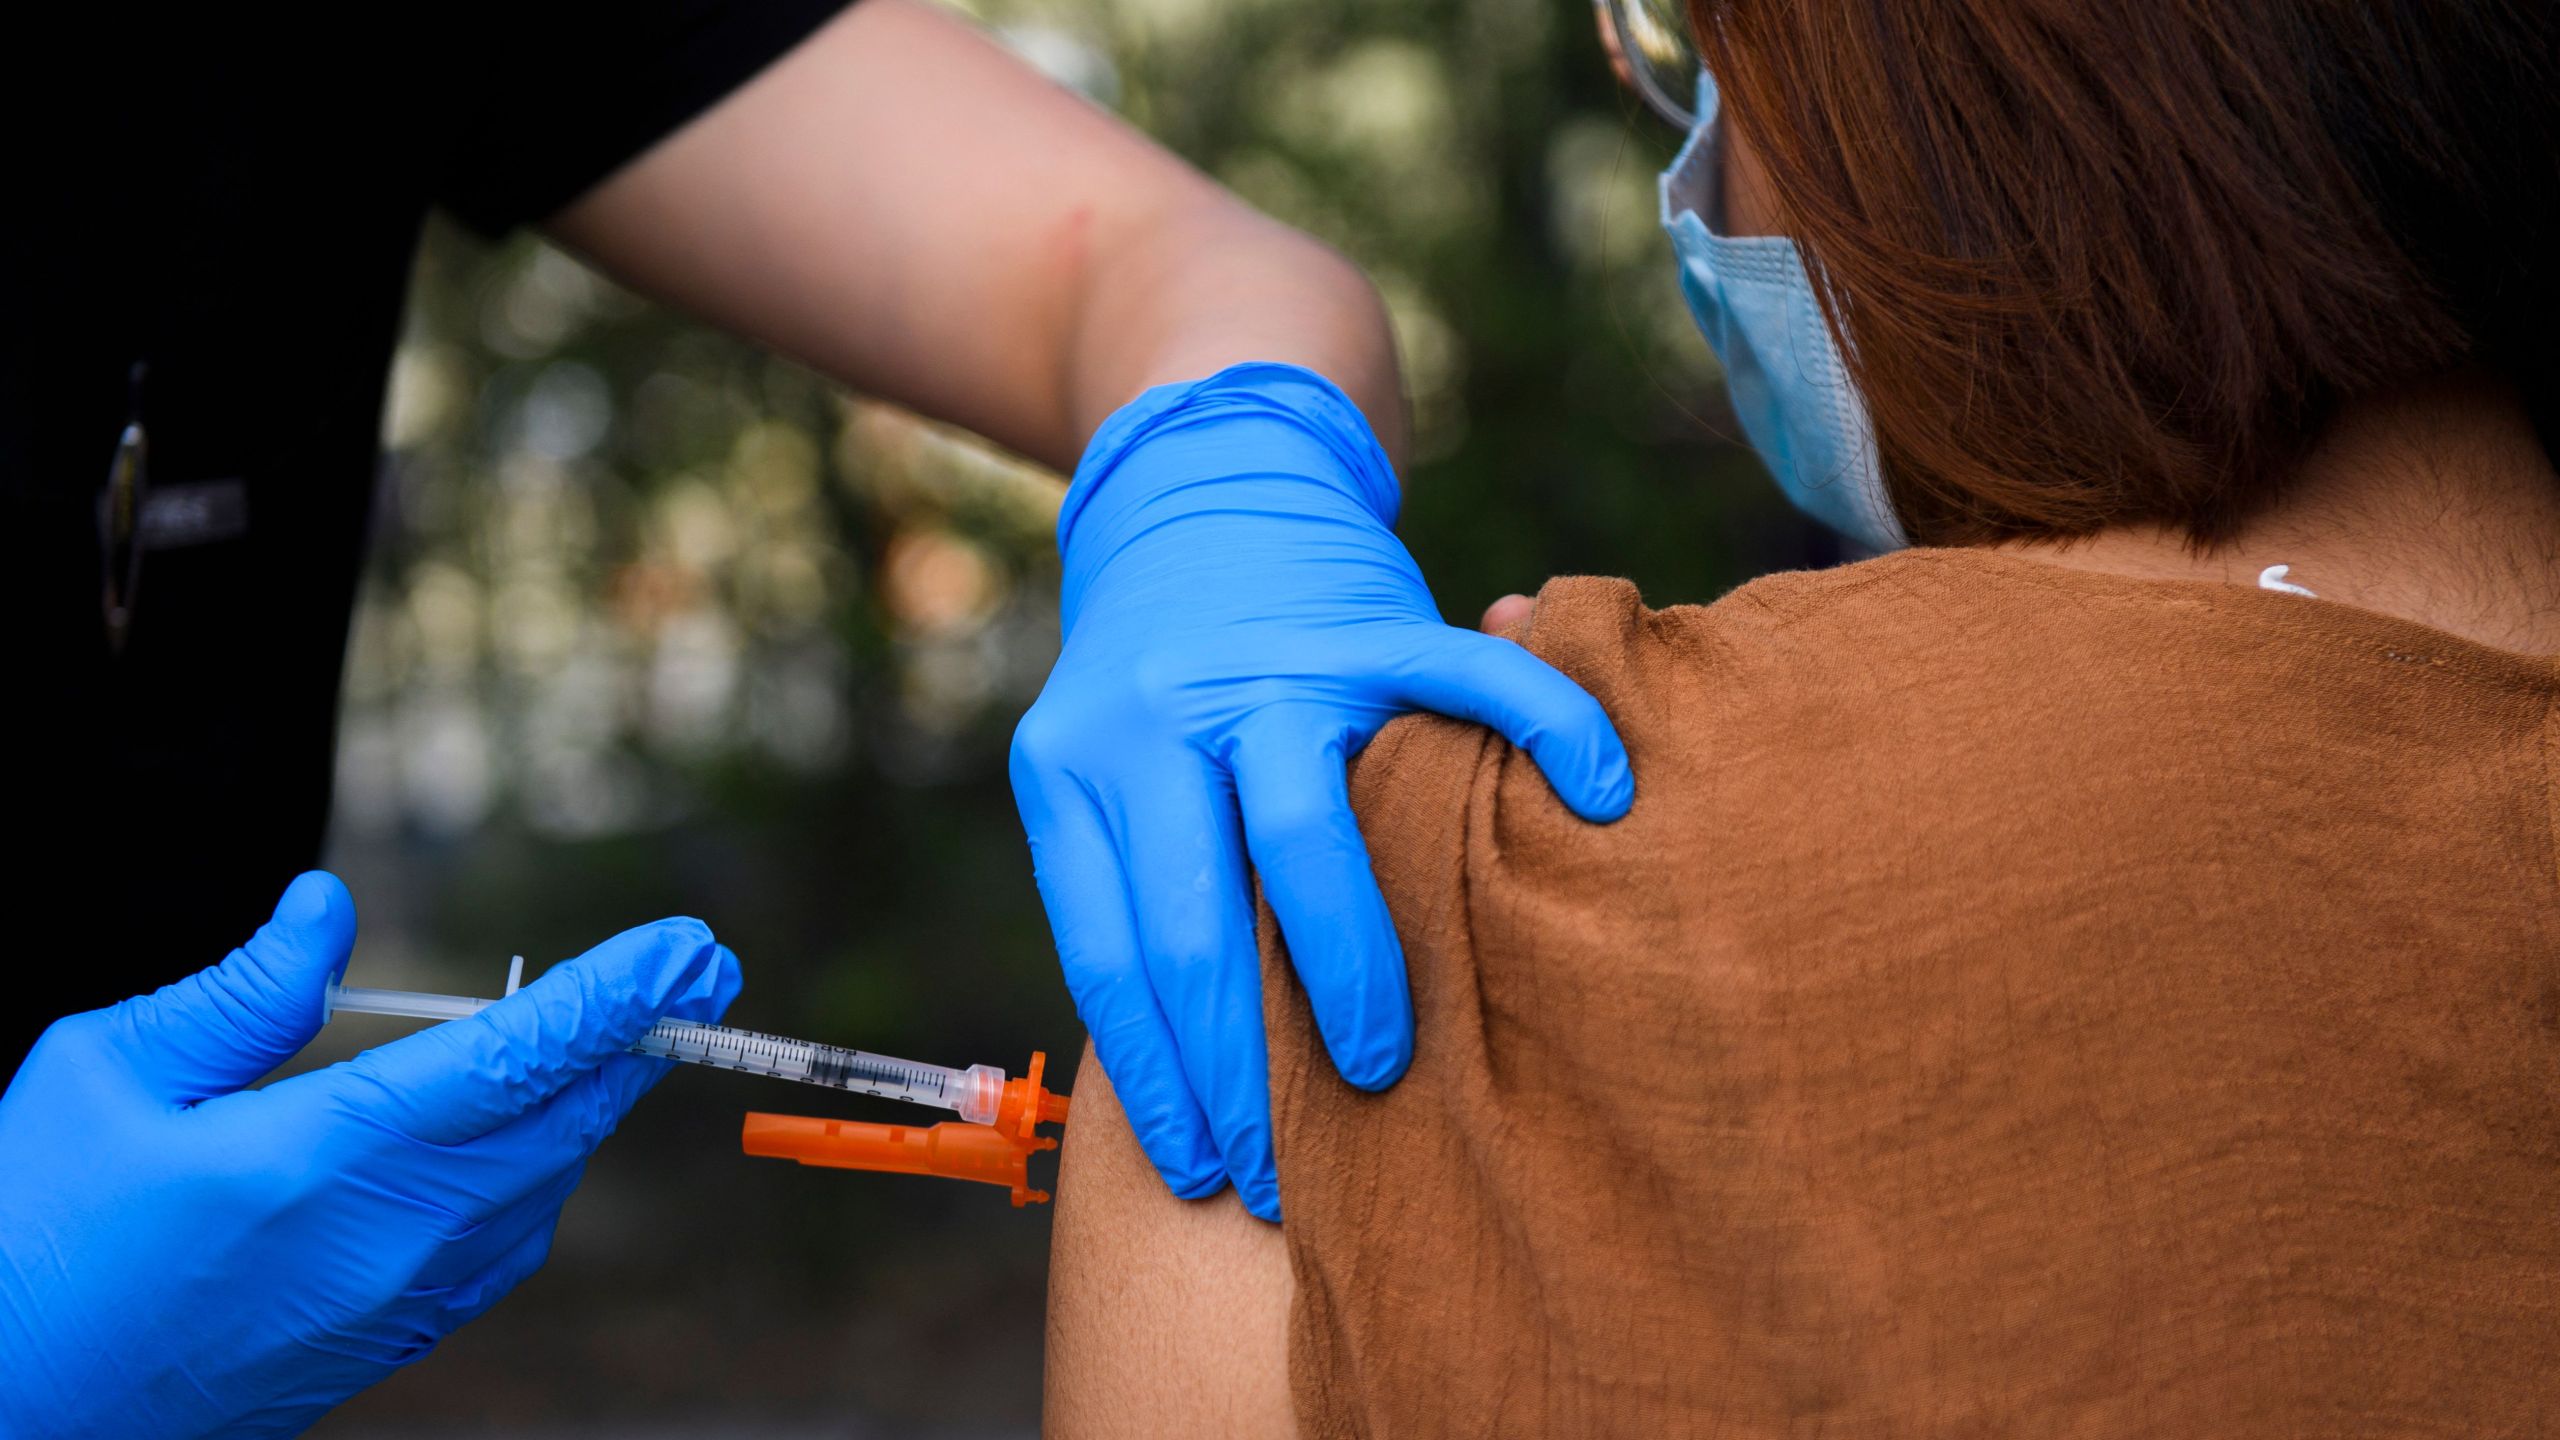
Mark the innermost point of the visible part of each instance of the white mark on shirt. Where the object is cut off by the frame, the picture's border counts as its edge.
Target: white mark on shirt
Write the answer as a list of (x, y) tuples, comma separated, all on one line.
[(2272, 578)]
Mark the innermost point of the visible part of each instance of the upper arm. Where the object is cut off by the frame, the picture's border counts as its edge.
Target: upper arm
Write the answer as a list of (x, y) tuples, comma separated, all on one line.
[(900, 203), (1167, 1317)]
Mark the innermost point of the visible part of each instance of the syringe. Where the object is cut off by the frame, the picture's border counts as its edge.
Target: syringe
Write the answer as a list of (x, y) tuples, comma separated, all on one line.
[(976, 1093)]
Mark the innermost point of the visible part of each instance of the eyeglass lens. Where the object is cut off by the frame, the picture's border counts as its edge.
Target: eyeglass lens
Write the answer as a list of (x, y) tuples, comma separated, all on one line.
[(1652, 41)]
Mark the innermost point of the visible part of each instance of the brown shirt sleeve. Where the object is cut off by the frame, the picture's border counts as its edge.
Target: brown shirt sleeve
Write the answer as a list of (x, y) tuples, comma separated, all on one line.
[(2016, 1004), (1442, 1231)]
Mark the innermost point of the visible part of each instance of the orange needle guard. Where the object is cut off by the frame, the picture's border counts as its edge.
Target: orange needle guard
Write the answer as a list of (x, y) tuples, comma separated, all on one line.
[(997, 1154)]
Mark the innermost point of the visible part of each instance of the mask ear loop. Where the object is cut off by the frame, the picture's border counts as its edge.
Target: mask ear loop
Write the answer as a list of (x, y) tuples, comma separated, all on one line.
[(1667, 209)]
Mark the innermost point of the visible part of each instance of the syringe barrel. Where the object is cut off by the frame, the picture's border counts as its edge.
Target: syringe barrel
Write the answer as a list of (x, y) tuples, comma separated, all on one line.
[(977, 1093)]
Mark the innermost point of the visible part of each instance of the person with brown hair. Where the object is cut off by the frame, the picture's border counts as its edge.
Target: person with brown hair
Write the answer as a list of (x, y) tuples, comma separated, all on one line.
[(2094, 970)]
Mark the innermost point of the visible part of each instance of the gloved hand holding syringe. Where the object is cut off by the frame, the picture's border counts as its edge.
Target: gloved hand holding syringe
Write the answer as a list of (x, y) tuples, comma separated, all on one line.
[(973, 1092), (980, 1094)]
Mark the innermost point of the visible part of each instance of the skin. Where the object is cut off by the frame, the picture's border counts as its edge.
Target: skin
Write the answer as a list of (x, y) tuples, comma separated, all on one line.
[(1166, 1317), (2434, 503), (1023, 289)]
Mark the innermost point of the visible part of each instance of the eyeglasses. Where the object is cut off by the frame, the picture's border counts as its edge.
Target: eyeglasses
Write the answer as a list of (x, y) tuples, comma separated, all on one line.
[(1649, 46)]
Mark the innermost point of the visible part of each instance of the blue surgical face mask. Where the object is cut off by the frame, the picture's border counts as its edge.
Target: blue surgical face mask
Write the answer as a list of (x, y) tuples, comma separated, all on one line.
[(1752, 297)]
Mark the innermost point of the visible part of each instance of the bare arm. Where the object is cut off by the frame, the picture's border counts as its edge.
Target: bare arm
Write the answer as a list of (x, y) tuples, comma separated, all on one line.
[(908, 208), (1166, 1317)]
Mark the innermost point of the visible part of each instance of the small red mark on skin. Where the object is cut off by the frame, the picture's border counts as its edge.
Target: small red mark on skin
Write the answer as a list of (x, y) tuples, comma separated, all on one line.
[(1069, 240)]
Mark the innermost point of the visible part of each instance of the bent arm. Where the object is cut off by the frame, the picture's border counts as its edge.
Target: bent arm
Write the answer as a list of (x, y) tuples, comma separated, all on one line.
[(905, 206), (1167, 1317)]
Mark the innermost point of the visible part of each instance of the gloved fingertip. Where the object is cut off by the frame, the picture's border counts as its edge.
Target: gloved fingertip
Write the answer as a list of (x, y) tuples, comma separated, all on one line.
[(708, 964), (1193, 1187), (1608, 791), (1379, 1063), (1188, 1164), (690, 939), (730, 982), (1190, 1168), (665, 967), (318, 914), (1364, 1010), (1586, 764), (1261, 1197)]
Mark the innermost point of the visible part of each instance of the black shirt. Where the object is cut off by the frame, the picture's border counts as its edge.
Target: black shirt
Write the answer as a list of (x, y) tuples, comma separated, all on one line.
[(232, 195)]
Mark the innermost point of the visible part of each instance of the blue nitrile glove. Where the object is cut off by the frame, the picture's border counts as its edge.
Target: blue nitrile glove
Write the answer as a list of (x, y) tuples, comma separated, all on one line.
[(180, 1256), (1239, 621)]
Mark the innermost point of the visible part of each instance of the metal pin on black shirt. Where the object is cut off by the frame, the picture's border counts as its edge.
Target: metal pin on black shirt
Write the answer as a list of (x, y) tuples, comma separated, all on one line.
[(120, 519)]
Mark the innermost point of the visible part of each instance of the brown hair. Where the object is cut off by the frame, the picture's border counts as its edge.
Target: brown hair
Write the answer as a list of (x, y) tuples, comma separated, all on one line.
[(2096, 262)]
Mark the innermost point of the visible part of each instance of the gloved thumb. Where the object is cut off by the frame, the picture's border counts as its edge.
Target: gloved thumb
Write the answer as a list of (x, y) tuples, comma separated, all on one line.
[(1498, 684), (223, 1027)]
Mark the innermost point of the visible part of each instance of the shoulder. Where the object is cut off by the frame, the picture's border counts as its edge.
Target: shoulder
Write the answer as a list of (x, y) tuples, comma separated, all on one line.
[(1601, 632), (1741, 669)]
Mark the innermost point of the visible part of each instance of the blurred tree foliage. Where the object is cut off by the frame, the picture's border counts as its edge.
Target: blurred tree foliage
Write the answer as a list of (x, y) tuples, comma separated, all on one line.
[(659, 623)]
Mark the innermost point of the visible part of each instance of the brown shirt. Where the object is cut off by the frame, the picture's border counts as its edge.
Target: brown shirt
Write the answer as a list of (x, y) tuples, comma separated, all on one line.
[(2021, 1002)]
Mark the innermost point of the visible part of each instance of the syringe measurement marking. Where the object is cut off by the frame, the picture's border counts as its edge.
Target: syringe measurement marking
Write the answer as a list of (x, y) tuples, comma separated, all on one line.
[(732, 1049)]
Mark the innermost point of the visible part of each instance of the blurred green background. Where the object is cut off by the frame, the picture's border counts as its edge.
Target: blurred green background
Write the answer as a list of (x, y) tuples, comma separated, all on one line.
[(657, 623)]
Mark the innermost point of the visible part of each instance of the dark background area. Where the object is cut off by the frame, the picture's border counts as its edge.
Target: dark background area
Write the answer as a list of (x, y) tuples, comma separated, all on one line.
[(658, 624)]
